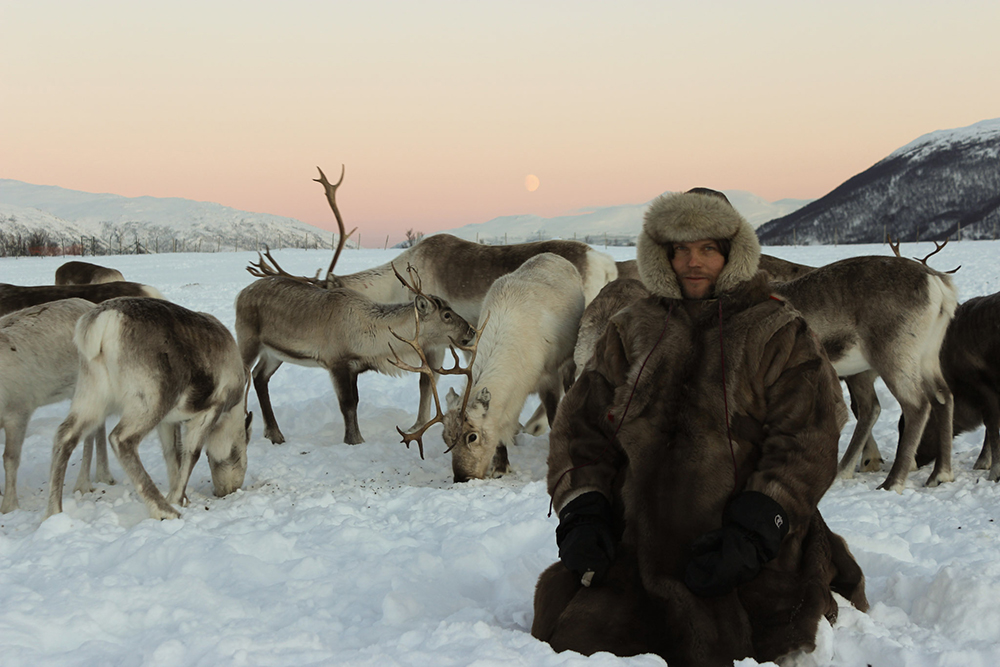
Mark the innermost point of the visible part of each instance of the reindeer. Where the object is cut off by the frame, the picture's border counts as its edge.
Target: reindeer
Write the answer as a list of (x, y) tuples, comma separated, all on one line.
[(970, 362), (533, 317), (85, 273), (16, 297), (160, 366), (38, 366), (280, 319), (895, 331), (309, 322)]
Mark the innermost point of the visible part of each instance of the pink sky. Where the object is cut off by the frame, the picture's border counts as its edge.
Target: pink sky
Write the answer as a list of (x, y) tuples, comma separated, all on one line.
[(440, 110)]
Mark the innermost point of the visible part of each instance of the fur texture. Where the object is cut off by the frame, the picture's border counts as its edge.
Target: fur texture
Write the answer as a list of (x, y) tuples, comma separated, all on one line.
[(646, 425), (693, 216)]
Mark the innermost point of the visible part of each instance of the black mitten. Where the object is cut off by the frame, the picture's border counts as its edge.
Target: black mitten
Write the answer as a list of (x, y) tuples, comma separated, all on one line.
[(586, 544), (753, 527)]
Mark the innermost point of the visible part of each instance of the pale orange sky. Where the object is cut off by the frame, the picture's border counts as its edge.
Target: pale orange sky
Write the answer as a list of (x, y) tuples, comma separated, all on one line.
[(440, 110)]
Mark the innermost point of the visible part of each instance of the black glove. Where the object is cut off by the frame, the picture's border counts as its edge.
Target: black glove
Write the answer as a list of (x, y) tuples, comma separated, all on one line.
[(586, 544), (753, 527)]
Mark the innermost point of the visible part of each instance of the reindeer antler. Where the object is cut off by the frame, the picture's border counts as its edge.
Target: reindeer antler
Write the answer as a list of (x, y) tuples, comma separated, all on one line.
[(894, 246), (331, 197), (471, 350), (937, 249), (426, 369), (261, 269)]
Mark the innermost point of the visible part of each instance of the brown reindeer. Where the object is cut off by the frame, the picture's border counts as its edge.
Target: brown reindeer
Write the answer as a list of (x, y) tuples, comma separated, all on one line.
[(970, 362), (308, 322), (16, 297), (85, 273)]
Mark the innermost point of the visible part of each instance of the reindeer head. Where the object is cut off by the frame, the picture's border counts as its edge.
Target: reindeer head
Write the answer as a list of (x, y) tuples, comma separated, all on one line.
[(469, 435), (438, 322), (227, 447)]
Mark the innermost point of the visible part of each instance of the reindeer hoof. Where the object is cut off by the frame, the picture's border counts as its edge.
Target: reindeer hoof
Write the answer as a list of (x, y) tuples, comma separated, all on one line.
[(871, 465), (274, 436), (886, 486)]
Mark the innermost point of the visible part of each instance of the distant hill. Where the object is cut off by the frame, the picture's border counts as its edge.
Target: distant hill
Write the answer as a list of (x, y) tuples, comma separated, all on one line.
[(942, 185), (619, 224), (107, 222)]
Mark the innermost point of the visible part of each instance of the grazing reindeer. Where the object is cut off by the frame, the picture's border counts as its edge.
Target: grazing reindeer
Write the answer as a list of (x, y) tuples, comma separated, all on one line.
[(894, 330), (308, 322), (970, 362), (16, 297), (38, 366), (280, 319), (534, 315), (160, 366), (85, 273)]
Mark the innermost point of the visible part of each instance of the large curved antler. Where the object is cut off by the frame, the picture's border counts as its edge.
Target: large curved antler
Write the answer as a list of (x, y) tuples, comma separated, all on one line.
[(425, 366), (331, 197)]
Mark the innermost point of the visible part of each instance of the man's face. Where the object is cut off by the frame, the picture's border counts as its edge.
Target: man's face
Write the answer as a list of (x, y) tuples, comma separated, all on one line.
[(697, 265)]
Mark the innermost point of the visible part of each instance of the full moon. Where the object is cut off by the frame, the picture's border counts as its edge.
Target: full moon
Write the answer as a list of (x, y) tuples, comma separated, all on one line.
[(531, 182)]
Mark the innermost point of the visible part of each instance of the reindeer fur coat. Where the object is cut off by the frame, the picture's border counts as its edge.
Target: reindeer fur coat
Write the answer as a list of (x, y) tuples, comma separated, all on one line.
[(646, 425)]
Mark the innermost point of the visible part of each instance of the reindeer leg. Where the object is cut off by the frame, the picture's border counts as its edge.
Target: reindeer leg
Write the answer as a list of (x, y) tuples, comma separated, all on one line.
[(188, 449), (125, 439), (103, 473), (170, 443), (942, 466), (865, 405), (916, 418), (345, 382), (15, 427), (262, 372), (83, 477), (538, 422), (501, 464), (67, 437)]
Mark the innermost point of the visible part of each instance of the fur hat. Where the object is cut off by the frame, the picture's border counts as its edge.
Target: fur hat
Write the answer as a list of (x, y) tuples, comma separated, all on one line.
[(692, 216)]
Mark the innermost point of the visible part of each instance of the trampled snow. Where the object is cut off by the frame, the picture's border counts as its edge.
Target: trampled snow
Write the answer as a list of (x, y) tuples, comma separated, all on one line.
[(333, 554)]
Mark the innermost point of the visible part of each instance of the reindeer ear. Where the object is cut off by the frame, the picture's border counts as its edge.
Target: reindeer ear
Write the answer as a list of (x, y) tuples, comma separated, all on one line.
[(452, 399), (423, 304), (484, 398)]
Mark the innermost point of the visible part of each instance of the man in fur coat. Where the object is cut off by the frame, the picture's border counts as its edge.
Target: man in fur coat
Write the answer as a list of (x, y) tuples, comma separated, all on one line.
[(687, 461)]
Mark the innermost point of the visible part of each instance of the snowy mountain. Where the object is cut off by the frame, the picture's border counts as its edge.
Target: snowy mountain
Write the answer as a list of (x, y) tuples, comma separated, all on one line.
[(944, 184), (112, 222), (616, 224)]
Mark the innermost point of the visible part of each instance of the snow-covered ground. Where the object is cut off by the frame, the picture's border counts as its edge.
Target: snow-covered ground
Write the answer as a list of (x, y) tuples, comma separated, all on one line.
[(365, 555)]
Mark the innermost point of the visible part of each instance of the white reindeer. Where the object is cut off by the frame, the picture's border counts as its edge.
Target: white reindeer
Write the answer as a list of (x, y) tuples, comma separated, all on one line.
[(534, 315), (160, 366), (38, 366)]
